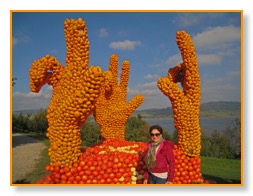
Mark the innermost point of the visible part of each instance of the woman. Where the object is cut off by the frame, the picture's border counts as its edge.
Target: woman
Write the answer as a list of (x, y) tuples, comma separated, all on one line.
[(159, 158)]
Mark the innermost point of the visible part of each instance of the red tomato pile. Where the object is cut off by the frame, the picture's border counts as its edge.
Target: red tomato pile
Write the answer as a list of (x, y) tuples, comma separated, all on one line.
[(187, 169), (117, 161), (112, 162)]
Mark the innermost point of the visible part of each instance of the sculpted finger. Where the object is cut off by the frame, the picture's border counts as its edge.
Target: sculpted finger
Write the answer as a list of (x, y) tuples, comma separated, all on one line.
[(190, 65), (134, 103), (113, 68), (107, 83), (176, 74), (124, 75), (43, 71), (77, 43), (169, 89)]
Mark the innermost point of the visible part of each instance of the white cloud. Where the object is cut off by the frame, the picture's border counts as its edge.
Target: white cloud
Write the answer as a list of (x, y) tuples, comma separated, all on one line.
[(217, 37), (125, 45), (203, 59), (132, 92), (226, 88), (31, 100), (153, 98), (20, 38), (122, 33), (187, 19), (148, 85), (174, 60), (151, 77), (192, 18), (212, 46), (140, 90), (32, 94), (224, 92), (150, 92), (209, 59), (54, 51), (14, 41), (103, 32), (49, 92)]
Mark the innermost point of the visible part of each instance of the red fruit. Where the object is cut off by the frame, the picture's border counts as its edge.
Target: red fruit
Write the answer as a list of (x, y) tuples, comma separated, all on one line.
[(66, 169), (73, 170), (47, 167), (115, 160), (102, 181), (118, 175), (39, 182), (64, 177), (84, 178), (82, 163), (61, 171)]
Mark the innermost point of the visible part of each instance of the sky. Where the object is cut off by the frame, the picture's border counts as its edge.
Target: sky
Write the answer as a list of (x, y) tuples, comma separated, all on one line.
[(146, 39)]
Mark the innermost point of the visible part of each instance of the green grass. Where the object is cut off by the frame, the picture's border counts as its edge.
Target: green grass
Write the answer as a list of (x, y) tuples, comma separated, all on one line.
[(223, 171), (39, 172)]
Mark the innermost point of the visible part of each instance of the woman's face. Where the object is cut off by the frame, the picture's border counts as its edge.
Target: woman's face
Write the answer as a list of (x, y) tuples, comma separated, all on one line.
[(155, 135)]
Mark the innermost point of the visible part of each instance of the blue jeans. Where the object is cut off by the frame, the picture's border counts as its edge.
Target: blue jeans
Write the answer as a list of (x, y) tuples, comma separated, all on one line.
[(156, 180)]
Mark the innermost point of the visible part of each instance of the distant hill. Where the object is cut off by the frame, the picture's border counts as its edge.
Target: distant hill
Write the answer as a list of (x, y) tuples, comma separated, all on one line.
[(221, 108), (215, 109), (221, 105), (24, 112), (210, 109)]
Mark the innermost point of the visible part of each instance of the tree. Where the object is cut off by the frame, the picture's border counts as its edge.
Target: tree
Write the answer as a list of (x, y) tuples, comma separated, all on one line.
[(220, 147), (39, 123), (20, 123), (13, 83), (205, 145), (233, 136), (136, 129), (90, 133), (174, 136)]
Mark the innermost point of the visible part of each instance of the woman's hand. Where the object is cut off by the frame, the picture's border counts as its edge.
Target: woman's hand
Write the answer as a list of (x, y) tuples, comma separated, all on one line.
[(168, 182), (145, 182)]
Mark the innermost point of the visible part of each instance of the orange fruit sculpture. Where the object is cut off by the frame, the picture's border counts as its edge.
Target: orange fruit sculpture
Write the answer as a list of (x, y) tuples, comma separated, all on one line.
[(185, 101), (111, 110), (80, 90), (76, 88)]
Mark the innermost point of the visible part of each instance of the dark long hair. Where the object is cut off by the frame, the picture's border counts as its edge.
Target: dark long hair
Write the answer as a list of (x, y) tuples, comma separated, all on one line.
[(157, 127)]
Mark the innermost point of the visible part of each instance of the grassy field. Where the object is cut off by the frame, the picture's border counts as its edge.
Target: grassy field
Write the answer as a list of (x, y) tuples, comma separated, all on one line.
[(222, 171)]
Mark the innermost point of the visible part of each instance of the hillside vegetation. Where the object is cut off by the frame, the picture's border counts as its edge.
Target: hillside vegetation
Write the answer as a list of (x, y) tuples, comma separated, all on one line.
[(210, 109)]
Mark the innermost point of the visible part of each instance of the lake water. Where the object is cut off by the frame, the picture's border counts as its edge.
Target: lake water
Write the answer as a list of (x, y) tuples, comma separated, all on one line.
[(207, 124)]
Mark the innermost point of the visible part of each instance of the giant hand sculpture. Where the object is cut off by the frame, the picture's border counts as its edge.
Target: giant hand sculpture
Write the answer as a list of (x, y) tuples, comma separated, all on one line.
[(186, 102), (76, 88), (111, 110)]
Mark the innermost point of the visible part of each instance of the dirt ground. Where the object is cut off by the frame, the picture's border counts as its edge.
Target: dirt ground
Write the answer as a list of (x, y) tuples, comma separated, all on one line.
[(25, 154)]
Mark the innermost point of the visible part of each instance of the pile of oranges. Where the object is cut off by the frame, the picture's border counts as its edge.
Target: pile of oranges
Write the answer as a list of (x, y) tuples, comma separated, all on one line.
[(187, 169), (113, 161)]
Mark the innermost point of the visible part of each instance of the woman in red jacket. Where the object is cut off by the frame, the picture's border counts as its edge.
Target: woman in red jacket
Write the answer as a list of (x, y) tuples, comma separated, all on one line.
[(159, 158)]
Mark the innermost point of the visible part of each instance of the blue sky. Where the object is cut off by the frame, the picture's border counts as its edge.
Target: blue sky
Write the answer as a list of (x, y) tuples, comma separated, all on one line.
[(146, 39)]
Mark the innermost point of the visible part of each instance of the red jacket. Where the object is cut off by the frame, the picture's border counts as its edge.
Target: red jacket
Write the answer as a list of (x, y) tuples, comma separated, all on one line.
[(165, 160)]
